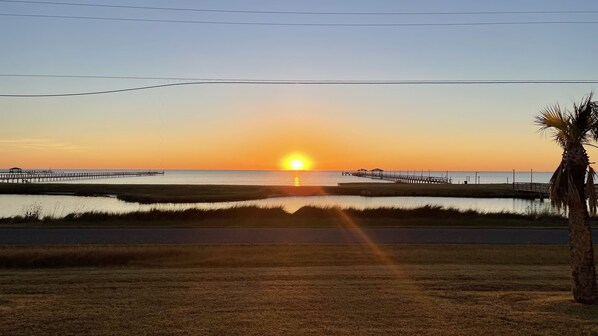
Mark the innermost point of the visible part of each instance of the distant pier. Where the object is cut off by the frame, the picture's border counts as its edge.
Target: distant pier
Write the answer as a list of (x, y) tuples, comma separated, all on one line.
[(398, 177), (533, 190), (30, 176)]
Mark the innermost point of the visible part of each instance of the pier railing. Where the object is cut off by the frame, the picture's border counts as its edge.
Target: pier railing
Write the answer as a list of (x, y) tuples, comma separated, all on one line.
[(30, 176), (534, 190), (399, 177), (537, 188)]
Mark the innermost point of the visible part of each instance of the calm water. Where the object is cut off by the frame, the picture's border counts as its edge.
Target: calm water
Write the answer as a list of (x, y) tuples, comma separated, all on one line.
[(59, 206), (306, 178)]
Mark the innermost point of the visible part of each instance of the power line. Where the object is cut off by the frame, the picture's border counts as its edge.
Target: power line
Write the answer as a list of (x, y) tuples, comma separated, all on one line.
[(112, 77), (300, 24), (308, 82), (297, 12)]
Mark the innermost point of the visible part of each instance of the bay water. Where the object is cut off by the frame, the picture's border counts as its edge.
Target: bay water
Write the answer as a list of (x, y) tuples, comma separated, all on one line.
[(59, 205)]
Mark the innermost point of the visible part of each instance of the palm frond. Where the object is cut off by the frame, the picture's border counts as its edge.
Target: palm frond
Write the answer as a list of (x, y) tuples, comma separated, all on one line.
[(553, 118), (583, 119), (563, 191), (559, 188), (594, 129), (591, 191)]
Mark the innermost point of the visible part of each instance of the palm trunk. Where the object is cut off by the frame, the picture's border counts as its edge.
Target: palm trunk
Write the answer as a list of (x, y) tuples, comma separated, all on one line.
[(580, 239), (582, 257)]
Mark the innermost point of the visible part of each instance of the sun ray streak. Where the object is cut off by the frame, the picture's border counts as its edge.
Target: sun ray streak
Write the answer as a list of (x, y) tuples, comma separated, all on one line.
[(422, 298)]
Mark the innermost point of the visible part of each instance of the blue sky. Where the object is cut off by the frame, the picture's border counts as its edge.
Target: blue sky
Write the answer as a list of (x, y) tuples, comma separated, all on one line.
[(250, 127)]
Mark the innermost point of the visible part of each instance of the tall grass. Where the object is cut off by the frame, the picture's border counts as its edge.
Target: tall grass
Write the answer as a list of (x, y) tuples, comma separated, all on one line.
[(305, 216), (183, 215), (428, 211)]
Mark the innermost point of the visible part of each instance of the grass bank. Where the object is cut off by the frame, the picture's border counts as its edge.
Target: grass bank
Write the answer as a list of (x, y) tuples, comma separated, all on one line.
[(308, 216), (221, 193), (293, 290)]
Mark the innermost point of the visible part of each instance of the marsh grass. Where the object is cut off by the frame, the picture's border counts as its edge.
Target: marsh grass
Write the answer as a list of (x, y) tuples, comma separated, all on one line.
[(149, 194), (32, 213), (183, 215), (307, 216)]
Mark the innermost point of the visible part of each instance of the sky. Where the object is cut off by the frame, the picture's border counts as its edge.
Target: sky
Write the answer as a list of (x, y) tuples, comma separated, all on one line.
[(337, 127)]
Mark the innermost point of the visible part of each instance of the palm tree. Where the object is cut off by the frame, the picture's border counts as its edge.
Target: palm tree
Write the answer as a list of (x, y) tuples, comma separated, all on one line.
[(569, 188)]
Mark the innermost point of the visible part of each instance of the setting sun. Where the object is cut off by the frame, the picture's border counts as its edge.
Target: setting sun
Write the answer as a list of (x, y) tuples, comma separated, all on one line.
[(296, 162)]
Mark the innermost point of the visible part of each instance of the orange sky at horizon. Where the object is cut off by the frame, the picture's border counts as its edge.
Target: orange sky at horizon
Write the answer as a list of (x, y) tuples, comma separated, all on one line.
[(261, 155)]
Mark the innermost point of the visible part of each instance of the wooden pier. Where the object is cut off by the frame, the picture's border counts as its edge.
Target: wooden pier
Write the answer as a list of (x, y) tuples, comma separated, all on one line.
[(31, 176), (399, 177), (533, 190)]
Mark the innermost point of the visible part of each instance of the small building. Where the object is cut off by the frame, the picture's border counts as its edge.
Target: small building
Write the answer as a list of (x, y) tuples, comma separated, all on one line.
[(377, 171), (15, 170)]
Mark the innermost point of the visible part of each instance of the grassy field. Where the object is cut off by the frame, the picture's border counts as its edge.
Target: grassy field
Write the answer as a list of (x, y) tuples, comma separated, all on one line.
[(291, 255), (221, 193), (291, 290)]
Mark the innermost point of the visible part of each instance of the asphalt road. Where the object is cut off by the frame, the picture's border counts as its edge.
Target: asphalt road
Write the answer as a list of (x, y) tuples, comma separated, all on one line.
[(282, 235)]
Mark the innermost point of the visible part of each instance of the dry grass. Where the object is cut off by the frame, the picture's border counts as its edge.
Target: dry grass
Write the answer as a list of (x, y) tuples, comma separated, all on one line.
[(276, 255), (298, 290)]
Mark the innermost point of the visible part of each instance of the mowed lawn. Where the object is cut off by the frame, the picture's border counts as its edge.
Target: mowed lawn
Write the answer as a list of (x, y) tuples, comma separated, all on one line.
[(292, 290)]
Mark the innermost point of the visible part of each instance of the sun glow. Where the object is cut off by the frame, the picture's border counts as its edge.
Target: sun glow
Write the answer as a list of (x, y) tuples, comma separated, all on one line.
[(296, 162)]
